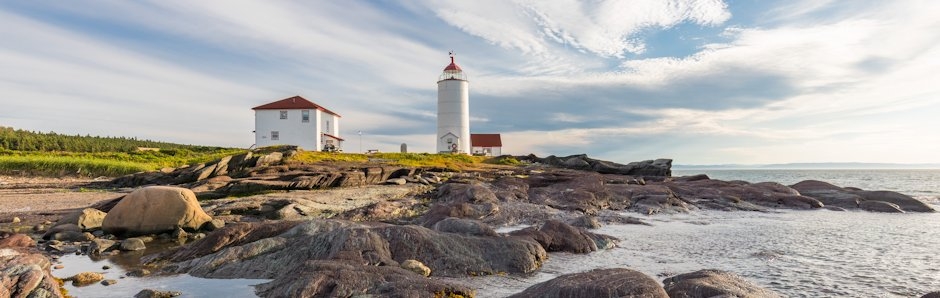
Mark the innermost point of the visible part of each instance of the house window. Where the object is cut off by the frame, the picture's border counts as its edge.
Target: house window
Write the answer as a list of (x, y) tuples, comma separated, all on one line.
[(283, 114), (304, 116), (327, 125), (275, 135)]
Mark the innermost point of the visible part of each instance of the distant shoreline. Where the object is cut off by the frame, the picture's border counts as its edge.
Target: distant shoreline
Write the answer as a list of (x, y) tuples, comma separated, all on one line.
[(811, 166)]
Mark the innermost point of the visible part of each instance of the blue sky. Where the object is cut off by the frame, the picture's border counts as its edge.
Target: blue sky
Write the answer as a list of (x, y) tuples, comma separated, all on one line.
[(702, 82)]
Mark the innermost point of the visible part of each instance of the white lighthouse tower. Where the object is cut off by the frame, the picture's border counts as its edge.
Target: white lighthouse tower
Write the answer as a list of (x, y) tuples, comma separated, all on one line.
[(453, 110)]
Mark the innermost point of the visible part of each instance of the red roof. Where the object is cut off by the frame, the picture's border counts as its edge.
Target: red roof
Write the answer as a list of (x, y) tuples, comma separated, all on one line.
[(452, 65), (334, 137), (485, 140), (294, 103)]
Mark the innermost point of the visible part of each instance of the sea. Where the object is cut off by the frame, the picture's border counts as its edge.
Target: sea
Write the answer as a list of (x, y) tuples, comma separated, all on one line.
[(816, 253)]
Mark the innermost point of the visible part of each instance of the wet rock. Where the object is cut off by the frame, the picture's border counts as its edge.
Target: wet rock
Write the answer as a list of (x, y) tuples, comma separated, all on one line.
[(556, 236), (149, 293), (879, 206), (61, 228), (155, 209), (617, 282), (416, 267), (25, 274), (133, 244), (464, 226), (734, 195), (85, 278), (713, 283), (213, 225), (86, 219), (140, 272), (852, 198), (931, 295), (100, 246), (17, 240), (179, 234), (72, 236), (108, 282), (904, 202)]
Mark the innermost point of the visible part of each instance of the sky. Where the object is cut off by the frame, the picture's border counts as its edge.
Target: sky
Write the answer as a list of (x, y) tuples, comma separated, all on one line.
[(698, 81)]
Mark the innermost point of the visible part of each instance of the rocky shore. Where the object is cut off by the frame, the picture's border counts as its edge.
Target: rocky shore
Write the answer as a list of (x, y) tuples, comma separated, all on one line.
[(345, 229)]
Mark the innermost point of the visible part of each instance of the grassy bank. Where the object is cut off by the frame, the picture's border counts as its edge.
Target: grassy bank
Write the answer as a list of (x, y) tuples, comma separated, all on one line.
[(449, 161), (110, 164)]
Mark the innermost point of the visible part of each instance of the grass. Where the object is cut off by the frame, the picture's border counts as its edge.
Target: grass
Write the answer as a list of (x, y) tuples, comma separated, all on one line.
[(109, 164), (449, 161)]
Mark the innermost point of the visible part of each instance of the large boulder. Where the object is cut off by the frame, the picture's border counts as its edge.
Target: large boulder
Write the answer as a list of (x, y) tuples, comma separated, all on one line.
[(155, 209), (597, 283), (829, 194), (904, 202), (335, 257), (86, 219), (853, 198), (713, 283), (25, 274), (555, 235)]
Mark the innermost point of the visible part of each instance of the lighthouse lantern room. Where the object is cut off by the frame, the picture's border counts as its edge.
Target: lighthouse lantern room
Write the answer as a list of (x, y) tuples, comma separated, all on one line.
[(453, 110)]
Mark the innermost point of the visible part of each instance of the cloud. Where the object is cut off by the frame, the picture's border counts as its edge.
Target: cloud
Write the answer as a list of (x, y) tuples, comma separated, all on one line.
[(607, 28)]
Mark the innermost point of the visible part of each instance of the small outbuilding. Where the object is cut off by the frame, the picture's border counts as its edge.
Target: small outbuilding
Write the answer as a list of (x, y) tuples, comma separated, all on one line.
[(486, 144), (297, 121)]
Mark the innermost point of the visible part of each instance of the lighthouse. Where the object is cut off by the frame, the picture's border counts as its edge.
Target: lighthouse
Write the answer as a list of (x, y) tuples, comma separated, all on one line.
[(453, 110)]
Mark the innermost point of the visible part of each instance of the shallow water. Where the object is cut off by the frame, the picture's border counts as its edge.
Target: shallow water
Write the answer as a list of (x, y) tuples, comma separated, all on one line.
[(128, 286), (796, 253)]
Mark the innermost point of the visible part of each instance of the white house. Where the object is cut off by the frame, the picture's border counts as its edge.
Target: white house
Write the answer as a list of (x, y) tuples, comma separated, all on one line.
[(297, 121), (487, 144)]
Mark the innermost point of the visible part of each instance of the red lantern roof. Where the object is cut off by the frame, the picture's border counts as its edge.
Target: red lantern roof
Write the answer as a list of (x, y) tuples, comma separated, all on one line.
[(452, 66)]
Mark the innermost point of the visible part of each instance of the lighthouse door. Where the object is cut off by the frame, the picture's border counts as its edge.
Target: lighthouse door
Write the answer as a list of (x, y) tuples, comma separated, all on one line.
[(449, 143)]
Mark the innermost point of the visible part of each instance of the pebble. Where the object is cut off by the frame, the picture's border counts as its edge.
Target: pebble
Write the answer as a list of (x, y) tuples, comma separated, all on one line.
[(108, 282), (16, 219), (105, 267), (58, 266)]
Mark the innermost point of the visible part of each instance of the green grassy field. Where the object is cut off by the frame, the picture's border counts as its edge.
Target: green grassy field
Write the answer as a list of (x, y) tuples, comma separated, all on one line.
[(449, 161), (109, 164)]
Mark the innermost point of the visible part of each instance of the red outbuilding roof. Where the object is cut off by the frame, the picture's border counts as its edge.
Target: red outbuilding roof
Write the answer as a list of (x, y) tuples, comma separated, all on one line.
[(294, 103), (334, 137), (485, 140)]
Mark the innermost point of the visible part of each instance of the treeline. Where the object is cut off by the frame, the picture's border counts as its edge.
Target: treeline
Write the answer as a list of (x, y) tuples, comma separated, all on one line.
[(24, 140)]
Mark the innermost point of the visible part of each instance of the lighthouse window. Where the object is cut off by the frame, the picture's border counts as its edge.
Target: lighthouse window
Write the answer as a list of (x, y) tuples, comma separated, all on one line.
[(304, 116), (275, 135), (283, 114), (450, 140)]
